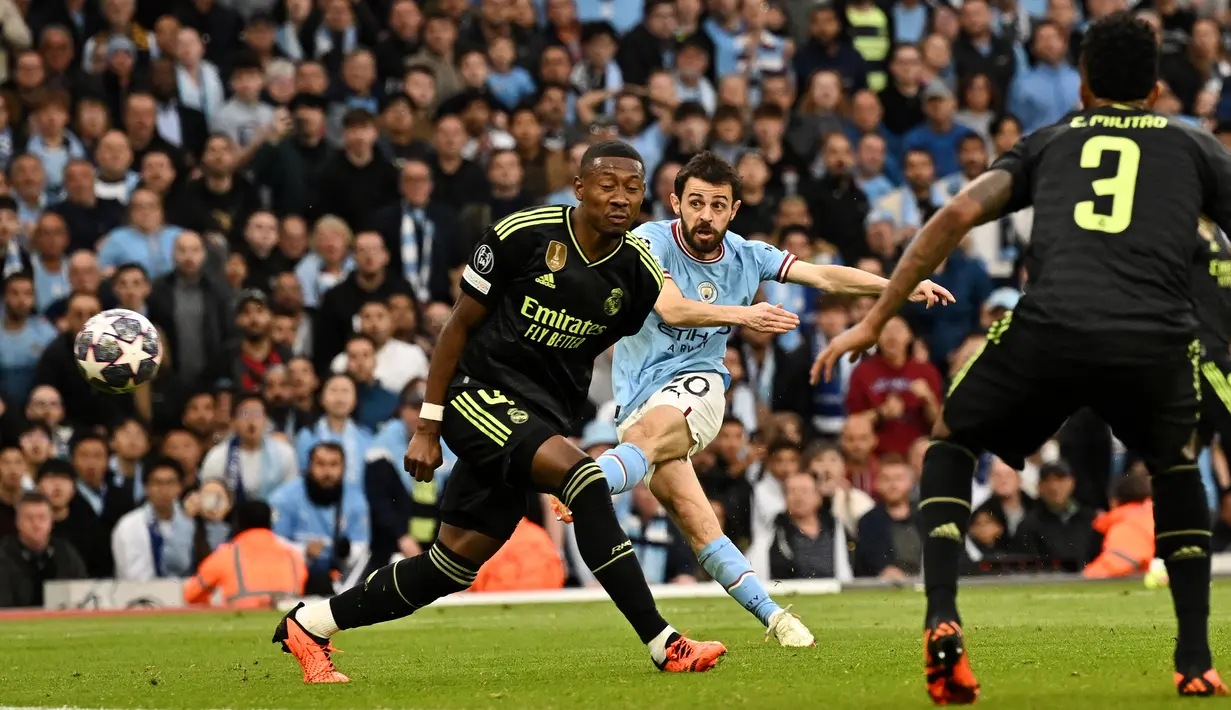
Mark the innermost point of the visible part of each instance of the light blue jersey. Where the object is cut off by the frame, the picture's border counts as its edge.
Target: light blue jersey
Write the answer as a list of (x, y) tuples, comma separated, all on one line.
[(658, 352)]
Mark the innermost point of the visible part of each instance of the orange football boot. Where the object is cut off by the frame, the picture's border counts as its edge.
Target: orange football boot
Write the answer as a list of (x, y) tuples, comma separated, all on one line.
[(950, 679), (314, 654), (1200, 684), (687, 656), (563, 514)]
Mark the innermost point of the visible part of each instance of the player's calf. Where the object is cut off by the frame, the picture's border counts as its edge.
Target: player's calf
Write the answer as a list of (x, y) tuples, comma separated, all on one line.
[(1182, 540), (944, 505)]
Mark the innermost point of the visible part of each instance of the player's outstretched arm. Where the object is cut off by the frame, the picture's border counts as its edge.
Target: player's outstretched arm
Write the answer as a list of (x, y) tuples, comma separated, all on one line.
[(844, 280), (423, 455), (681, 312)]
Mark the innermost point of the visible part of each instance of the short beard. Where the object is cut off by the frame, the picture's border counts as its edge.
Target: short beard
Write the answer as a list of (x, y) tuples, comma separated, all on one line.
[(691, 240), (255, 337)]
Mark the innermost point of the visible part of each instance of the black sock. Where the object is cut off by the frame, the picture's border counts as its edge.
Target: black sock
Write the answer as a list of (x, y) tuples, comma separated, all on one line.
[(1182, 540), (944, 490), (606, 550), (399, 589)]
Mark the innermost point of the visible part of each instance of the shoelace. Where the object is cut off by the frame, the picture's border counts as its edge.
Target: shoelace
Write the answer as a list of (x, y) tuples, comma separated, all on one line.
[(682, 649), (786, 612)]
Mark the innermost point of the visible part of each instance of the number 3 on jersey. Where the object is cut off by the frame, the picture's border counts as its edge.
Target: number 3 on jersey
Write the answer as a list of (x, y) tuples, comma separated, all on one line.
[(1120, 186)]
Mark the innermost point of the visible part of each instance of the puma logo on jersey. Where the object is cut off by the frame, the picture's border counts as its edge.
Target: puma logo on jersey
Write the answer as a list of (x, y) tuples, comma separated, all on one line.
[(1190, 552), (548, 280), (948, 531)]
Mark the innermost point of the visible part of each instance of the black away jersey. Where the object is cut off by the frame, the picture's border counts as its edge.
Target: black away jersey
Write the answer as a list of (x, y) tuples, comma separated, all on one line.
[(551, 310), (1117, 193)]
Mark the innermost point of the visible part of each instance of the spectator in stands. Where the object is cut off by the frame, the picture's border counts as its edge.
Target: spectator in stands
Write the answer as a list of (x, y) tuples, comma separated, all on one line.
[(371, 279), (901, 395), (1008, 502), (357, 181), (940, 135), (15, 257), (890, 545), (256, 351), (132, 287), (88, 216), (421, 234), (116, 180), (48, 265), (100, 500), (979, 50), (304, 384), (807, 543), (13, 485), (259, 249), (50, 140), (28, 186), (251, 462), (1058, 529), (782, 460), (777, 376), (326, 519), (838, 206), (192, 310), (457, 181), (44, 435), (130, 444), (844, 502), (23, 337), (375, 403), (397, 362), (329, 262), (244, 119), (227, 197), (149, 241), (1127, 529), (155, 540), (967, 279), (182, 126), (33, 555), (529, 561), (1044, 93), (255, 559), (182, 447), (338, 399), (141, 128)]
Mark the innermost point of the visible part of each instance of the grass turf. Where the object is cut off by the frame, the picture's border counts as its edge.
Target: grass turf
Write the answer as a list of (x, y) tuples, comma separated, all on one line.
[(1032, 647)]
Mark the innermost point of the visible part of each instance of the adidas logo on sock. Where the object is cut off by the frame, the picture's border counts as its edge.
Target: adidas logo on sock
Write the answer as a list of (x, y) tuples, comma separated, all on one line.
[(1191, 552), (548, 280), (948, 531)]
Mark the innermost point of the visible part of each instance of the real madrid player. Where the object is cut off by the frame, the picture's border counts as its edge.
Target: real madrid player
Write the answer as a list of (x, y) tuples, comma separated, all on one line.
[(546, 291), (670, 381)]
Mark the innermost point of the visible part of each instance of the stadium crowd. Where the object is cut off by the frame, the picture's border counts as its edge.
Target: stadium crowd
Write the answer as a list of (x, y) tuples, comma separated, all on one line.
[(288, 189)]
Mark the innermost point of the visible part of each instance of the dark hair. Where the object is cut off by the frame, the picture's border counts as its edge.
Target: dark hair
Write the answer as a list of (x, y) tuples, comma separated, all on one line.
[(87, 435), (773, 111), (916, 151), (995, 100), (1131, 489), (17, 276), (781, 445), (733, 420), (609, 149), (711, 169), (998, 123), (32, 498), (358, 117), (244, 60), (130, 266), (1120, 58), (158, 462), (362, 336), (727, 112), (242, 398), (326, 446), (56, 467), (252, 515), (592, 30), (966, 139)]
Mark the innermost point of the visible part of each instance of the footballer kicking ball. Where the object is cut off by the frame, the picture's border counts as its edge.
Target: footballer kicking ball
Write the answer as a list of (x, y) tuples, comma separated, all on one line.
[(118, 350)]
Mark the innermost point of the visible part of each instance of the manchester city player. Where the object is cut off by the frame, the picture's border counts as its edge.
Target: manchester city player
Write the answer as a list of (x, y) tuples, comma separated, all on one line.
[(670, 381)]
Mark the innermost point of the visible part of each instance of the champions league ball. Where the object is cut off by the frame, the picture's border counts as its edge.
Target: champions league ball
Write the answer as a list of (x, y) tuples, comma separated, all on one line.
[(117, 350)]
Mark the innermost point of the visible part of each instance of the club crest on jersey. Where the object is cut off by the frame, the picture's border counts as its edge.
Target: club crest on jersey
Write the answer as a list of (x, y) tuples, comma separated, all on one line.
[(484, 259), (518, 416), (557, 253), (707, 291), (612, 305)]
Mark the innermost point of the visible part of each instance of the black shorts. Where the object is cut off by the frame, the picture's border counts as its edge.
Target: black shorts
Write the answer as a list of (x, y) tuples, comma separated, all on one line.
[(1021, 387), (495, 438), (1215, 397)]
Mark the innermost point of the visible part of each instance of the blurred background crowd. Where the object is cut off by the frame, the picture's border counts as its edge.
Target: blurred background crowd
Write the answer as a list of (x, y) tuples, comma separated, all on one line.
[(287, 189)]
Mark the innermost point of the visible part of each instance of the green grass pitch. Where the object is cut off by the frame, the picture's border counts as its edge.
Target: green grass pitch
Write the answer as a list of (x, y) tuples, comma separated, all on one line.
[(1075, 646)]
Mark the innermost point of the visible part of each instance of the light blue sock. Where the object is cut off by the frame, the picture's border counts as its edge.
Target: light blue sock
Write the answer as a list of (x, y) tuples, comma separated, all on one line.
[(625, 466), (724, 562)]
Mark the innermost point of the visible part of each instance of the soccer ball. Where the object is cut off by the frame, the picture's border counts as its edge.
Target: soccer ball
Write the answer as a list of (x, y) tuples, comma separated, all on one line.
[(118, 350)]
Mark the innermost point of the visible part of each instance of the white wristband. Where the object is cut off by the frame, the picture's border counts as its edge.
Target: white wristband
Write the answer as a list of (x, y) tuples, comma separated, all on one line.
[(431, 412)]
